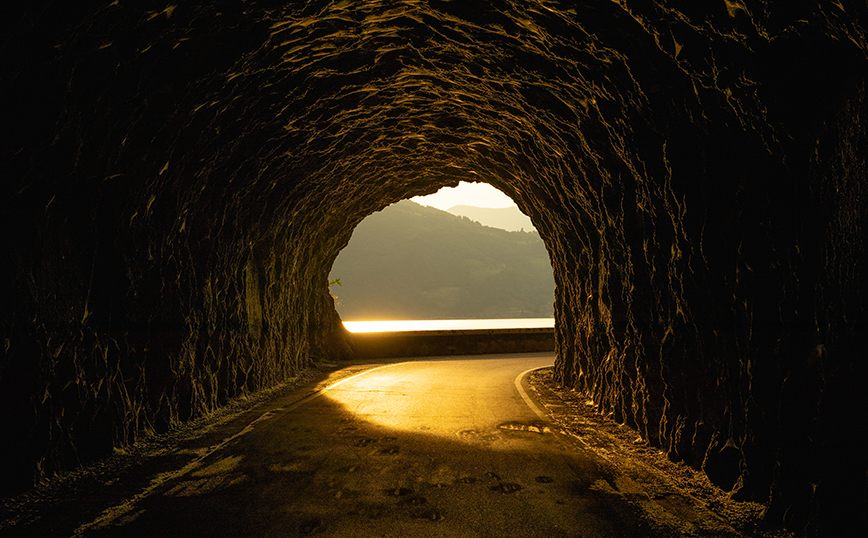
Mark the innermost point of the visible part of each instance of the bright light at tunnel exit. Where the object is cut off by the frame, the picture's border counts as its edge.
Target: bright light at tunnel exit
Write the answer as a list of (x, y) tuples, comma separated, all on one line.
[(473, 194), (446, 324)]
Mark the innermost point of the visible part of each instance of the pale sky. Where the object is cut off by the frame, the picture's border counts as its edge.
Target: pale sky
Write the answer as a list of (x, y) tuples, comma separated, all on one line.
[(475, 194)]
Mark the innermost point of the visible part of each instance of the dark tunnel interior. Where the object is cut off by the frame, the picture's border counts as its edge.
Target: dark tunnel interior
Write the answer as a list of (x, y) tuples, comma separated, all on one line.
[(177, 182)]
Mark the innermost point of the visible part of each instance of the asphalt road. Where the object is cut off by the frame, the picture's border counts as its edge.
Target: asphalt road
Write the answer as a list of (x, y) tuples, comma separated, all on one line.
[(439, 447)]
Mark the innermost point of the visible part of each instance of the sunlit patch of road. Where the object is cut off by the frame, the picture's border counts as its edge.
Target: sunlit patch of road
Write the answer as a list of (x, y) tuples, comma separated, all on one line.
[(449, 397)]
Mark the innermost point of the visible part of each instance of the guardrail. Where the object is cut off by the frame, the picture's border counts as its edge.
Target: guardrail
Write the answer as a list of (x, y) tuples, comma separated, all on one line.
[(451, 342)]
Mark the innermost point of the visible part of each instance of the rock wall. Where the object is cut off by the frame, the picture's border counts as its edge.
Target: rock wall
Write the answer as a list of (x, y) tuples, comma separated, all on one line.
[(451, 342), (177, 182)]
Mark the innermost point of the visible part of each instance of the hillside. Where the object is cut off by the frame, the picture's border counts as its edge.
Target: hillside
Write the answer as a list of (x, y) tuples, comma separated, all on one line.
[(416, 262), (505, 218)]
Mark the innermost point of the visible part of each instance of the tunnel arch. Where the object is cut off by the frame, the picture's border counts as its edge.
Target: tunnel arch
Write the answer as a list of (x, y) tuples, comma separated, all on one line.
[(181, 179)]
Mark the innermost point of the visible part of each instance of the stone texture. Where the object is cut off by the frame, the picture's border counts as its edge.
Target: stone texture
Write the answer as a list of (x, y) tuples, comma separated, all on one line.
[(176, 183)]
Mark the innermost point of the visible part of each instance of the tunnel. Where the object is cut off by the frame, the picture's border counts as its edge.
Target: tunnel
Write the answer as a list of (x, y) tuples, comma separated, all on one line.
[(177, 181)]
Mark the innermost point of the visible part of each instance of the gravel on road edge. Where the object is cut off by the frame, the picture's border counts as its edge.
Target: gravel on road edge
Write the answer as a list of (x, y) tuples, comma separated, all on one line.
[(577, 415)]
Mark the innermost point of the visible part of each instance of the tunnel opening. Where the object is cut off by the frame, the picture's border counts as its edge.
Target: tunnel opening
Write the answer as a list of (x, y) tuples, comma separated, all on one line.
[(424, 259)]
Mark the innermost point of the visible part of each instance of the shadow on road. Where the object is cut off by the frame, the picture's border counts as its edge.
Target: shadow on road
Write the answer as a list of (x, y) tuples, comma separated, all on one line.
[(313, 466)]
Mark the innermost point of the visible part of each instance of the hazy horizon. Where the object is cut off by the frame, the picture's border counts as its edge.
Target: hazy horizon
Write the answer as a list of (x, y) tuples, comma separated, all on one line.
[(472, 194), (510, 219)]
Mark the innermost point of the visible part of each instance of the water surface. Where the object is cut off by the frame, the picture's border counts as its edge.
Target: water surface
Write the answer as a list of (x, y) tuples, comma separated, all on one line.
[(446, 324)]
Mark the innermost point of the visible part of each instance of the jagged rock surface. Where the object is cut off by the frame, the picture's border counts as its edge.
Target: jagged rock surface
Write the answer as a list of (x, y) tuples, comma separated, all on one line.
[(178, 181)]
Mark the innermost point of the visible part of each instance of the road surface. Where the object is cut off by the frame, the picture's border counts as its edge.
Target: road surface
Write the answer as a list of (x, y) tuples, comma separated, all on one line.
[(436, 447)]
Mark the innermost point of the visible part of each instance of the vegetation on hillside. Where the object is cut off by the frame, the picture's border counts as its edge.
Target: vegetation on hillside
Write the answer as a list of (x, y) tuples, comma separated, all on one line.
[(416, 262)]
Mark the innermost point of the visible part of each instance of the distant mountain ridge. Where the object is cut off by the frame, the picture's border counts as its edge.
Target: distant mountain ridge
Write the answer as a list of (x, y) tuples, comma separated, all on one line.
[(505, 218), (410, 261)]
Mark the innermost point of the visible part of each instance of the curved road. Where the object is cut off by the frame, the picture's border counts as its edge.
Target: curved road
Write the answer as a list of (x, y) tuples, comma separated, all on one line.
[(436, 447)]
